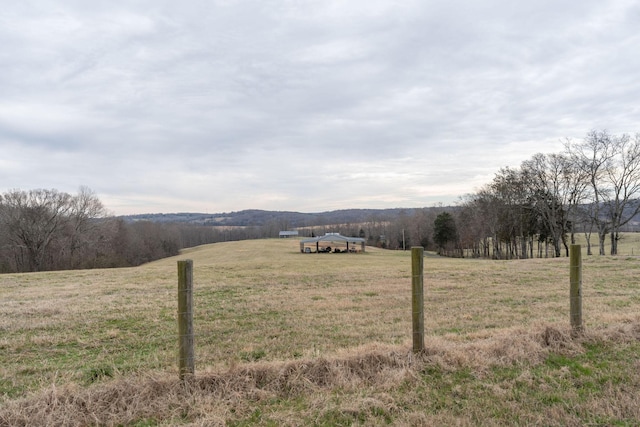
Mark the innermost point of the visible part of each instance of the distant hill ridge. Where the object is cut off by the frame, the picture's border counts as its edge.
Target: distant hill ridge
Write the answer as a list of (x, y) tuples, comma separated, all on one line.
[(256, 217)]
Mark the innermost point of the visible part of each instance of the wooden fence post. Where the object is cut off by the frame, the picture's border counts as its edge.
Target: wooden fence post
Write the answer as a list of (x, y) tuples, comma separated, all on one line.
[(575, 292), (185, 318), (417, 297)]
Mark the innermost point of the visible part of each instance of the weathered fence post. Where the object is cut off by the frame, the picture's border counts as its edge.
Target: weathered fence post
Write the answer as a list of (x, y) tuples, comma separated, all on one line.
[(575, 293), (417, 297), (185, 317)]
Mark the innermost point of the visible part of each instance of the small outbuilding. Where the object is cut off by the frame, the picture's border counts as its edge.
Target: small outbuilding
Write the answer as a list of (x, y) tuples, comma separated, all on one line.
[(287, 234), (332, 242)]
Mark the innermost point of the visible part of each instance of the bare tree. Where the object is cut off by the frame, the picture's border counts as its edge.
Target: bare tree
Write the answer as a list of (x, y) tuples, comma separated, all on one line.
[(49, 230), (485, 206), (555, 193), (421, 227), (595, 156), (473, 226), (622, 180), (511, 202), (611, 165), (33, 220), (575, 184), (84, 225)]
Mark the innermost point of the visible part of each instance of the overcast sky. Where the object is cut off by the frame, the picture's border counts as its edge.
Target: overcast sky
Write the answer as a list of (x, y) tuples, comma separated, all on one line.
[(217, 106)]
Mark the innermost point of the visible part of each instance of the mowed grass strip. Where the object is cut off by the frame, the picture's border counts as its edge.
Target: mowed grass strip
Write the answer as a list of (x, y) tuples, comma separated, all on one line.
[(264, 302)]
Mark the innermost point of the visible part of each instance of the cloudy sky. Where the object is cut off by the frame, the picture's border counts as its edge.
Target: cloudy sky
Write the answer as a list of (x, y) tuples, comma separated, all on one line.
[(217, 106)]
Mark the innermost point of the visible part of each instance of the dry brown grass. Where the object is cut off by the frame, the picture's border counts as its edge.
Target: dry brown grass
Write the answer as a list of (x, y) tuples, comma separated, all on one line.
[(289, 339), (373, 376)]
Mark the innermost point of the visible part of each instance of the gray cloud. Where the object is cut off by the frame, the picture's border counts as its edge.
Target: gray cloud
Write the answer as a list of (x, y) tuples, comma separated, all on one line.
[(218, 106)]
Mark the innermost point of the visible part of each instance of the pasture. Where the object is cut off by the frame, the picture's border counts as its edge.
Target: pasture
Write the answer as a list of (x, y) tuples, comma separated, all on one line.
[(284, 338)]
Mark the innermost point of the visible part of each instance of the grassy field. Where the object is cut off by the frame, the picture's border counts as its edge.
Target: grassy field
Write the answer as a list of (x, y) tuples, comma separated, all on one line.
[(284, 338)]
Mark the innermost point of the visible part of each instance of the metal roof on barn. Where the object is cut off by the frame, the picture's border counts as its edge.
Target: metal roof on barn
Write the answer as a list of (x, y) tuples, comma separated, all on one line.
[(334, 237)]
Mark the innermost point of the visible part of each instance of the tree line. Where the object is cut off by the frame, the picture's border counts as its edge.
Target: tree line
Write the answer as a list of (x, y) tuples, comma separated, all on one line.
[(45, 229), (591, 187), (536, 210)]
